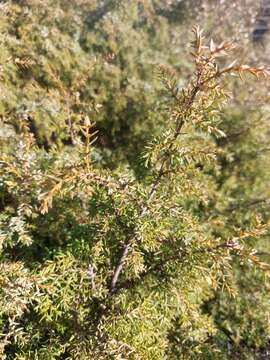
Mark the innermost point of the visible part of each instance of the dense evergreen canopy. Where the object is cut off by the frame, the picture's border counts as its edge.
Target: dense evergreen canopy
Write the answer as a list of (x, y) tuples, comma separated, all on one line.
[(134, 181)]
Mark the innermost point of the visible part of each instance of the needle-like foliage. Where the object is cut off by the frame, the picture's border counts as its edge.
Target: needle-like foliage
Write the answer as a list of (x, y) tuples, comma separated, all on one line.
[(98, 263)]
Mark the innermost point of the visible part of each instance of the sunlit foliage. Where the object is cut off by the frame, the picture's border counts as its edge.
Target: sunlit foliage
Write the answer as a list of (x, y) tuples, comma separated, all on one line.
[(134, 197)]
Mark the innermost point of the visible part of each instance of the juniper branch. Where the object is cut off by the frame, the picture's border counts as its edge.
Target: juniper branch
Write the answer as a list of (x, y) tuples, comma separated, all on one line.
[(134, 237), (158, 268)]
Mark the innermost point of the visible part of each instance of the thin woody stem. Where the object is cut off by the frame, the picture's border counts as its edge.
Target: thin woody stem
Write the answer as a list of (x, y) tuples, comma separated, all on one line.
[(154, 269), (121, 263)]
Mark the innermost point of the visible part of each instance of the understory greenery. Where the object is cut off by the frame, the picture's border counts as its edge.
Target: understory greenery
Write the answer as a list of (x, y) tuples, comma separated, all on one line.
[(134, 186)]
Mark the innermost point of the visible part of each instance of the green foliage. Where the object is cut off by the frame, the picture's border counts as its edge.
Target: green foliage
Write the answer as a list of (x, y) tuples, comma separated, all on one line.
[(134, 204)]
